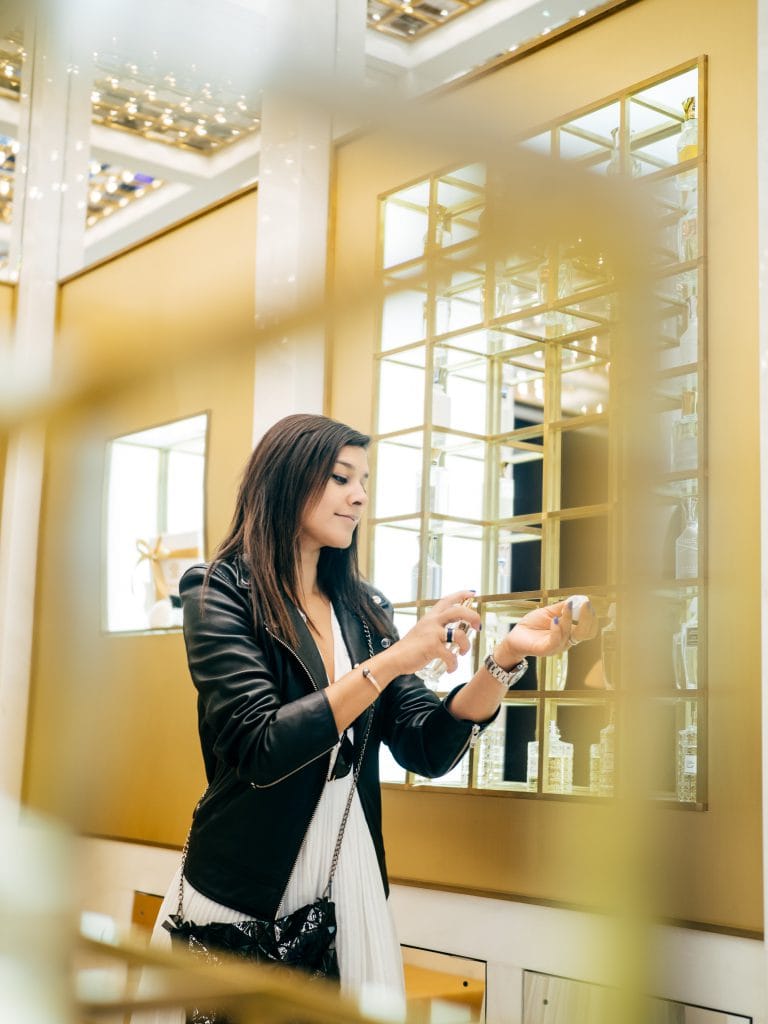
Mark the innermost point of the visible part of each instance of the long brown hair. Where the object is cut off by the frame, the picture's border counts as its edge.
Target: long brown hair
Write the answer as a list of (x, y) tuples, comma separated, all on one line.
[(287, 472)]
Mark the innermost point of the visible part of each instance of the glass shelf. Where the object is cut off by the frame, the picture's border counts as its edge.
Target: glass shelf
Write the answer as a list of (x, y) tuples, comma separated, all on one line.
[(499, 458)]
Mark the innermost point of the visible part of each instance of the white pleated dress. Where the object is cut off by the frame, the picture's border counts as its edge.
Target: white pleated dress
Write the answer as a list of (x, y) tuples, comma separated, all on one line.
[(370, 962)]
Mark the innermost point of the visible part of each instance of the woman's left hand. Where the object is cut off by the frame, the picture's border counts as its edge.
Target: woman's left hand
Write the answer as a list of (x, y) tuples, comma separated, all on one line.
[(547, 631)]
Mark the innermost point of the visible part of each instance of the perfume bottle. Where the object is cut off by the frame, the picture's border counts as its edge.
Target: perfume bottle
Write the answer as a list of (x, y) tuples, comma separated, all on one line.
[(689, 339), (504, 567), (432, 672), (687, 228), (608, 649), (434, 572), (687, 760), (505, 296), (491, 751), (607, 756), (684, 445), (441, 400), (685, 650), (687, 544), (558, 764), (688, 145), (532, 766), (507, 409), (559, 769), (506, 491), (594, 768), (437, 495), (614, 162)]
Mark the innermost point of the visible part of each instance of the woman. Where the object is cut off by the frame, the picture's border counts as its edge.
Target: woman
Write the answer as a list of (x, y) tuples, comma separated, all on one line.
[(290, 651)]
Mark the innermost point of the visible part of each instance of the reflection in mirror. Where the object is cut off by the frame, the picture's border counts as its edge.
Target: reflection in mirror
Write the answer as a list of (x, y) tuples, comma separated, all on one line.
[(154, 522), (548, 999)]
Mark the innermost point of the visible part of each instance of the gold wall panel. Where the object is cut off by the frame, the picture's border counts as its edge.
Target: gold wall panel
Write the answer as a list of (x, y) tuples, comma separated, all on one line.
[(700, 867), (113, 732), (7, 317)]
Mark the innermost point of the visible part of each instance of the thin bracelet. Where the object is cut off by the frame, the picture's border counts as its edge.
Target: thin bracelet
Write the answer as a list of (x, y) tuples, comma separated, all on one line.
[(367, 674)]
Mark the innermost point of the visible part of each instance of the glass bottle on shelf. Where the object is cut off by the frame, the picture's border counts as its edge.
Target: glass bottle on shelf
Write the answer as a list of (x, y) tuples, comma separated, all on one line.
[(434, 572), (532, 765), (614, 161), (687, 228), (684, 452), (559, 762), (689, 339), (504, 296), (506, 491), (687, 544), (437, 493), (685, 649), (504, 567), (687, 760), (491, 751), (441, 400), (688, 145), (558, 768), (594, 768), (607, 756), (506, 408)]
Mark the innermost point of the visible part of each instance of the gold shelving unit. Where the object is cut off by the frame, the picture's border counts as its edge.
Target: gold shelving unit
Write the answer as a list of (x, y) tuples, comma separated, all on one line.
[(499, 455)]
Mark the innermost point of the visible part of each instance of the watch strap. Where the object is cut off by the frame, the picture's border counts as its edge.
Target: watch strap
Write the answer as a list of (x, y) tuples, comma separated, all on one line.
[(507, 677)]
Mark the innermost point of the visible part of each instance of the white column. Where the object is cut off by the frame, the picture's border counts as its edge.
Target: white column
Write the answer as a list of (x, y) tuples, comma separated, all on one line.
[(762, 172), (315, 53), (54, 119)]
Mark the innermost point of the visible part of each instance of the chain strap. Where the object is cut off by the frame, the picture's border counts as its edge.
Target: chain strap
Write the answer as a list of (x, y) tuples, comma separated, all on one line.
[(348, 807), (355, 775)]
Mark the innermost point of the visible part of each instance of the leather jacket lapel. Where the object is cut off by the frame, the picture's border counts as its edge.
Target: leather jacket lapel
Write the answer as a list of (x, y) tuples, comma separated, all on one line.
[(307, 651)]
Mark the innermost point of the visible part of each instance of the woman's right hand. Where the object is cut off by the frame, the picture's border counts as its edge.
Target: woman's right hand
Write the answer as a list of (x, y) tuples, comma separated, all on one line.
[(427, 639)]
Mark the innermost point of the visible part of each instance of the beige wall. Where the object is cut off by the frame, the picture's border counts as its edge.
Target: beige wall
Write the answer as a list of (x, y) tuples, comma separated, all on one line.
[(704, 867), (161, 332)]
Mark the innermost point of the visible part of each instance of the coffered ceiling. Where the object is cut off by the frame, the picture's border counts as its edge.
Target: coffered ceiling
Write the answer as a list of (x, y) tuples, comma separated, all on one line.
[(176, 89)]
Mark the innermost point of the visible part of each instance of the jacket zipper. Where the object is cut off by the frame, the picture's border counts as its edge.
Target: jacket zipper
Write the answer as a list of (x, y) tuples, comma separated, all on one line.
[(290, 873), (468, 744), (268, 785)]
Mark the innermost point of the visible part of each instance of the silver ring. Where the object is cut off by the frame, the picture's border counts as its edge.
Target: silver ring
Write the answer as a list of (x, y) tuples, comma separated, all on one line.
[(449, 634)]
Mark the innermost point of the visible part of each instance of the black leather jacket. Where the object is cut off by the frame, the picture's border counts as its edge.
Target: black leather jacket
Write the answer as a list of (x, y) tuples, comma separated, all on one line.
[(266, 731)]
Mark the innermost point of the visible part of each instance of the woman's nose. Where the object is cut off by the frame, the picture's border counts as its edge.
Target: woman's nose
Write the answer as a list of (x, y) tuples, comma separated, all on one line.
[(359, 495)]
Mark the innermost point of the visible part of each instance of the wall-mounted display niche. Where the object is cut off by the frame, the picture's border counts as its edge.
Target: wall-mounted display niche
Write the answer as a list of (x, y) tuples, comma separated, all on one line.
[(154, 522), (498, 463)]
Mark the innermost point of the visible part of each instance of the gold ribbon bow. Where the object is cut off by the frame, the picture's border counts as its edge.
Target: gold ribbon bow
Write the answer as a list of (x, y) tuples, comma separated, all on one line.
[(157, 553)]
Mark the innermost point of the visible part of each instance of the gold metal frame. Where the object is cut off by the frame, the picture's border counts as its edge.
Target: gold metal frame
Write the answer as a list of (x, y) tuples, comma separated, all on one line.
[(422, 269)]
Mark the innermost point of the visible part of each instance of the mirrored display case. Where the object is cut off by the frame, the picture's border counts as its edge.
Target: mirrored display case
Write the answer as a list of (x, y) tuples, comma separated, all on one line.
[(497, 456)]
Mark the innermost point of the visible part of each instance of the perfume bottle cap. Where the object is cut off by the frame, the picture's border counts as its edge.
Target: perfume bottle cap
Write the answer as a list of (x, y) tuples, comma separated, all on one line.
[(689, 108)]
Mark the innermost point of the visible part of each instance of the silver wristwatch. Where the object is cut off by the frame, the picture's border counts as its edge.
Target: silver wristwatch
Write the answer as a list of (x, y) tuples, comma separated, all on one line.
[(507, 677)]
